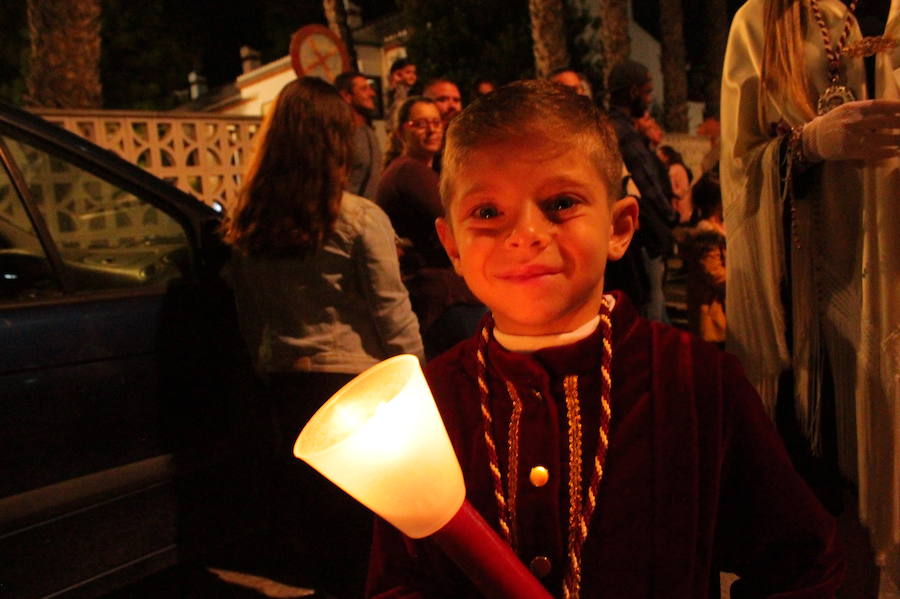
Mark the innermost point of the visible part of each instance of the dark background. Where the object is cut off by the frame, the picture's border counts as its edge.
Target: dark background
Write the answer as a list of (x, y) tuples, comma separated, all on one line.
[(150, 46)]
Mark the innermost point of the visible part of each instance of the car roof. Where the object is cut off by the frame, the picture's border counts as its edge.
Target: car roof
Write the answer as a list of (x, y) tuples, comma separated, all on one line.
[(13, 118)]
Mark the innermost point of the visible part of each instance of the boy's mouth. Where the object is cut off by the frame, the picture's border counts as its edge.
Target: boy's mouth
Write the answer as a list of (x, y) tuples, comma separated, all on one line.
[(529, 272)]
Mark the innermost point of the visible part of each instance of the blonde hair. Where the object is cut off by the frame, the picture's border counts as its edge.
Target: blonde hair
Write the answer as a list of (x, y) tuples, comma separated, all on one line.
[(783, 73)]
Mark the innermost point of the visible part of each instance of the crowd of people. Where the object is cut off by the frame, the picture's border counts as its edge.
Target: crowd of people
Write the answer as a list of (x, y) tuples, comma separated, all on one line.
[(659, 178), (487, 241)]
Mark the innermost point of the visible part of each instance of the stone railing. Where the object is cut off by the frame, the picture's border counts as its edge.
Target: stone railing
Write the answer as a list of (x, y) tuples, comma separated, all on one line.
[(202, 154)]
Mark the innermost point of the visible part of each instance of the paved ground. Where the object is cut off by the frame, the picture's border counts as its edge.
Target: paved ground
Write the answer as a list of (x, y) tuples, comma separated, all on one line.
[(243, 570), (203, 581), (197, 582)]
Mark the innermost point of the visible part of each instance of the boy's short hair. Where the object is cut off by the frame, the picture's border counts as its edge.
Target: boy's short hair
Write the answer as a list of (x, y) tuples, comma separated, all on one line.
[(524, 109)]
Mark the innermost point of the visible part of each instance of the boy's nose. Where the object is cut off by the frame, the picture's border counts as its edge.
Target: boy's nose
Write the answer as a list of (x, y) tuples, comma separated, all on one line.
[(531, 229)]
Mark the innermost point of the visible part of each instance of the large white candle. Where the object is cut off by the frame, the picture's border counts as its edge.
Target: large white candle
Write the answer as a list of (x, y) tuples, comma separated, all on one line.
[(381, 439)]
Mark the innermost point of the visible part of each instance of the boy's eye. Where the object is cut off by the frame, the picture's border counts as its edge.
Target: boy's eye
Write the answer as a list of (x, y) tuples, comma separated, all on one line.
[(560, 203), (486, 212)]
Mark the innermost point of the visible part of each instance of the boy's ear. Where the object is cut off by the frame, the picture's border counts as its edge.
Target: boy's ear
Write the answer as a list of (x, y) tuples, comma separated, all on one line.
[(623, 221), (445, 234)]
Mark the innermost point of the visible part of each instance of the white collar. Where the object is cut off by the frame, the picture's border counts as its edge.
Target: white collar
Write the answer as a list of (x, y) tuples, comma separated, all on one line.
[(532, 343)]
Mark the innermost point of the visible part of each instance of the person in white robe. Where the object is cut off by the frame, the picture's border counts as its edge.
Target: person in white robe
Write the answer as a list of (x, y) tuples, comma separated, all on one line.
[(814, 201)]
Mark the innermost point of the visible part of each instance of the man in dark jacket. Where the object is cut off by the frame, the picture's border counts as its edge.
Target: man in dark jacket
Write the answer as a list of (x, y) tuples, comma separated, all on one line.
[(631, 91)]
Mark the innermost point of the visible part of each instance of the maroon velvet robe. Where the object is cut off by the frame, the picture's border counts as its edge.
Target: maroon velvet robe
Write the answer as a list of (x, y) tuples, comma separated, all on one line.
[(696, 479)]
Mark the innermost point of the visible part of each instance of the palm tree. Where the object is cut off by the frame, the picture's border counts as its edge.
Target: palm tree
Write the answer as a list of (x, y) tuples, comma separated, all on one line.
[(336, 13), (615, 31), (674, 65), (64, 67), (548, 31)]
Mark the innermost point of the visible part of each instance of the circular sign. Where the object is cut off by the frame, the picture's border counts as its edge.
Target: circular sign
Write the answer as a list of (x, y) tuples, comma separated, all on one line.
[(317, 52)]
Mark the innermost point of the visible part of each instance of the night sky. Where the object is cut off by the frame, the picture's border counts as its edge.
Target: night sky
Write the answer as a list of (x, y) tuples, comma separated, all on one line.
[(150, 46)]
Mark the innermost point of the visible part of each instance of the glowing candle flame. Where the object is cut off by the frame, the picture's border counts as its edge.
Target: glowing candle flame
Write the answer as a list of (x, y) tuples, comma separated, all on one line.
[(381, 439)]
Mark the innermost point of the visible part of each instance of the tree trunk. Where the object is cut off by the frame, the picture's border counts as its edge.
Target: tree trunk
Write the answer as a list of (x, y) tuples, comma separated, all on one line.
[(717, 36), (64, 67), (548, 32), (336, 13), (674, 65), (615, 31), (616, 39)]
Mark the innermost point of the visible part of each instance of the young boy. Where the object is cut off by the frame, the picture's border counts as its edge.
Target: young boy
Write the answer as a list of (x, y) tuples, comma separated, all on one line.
[(645, 489)]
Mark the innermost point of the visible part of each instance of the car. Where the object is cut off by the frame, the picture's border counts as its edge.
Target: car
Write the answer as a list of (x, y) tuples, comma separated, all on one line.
[(132, 434)]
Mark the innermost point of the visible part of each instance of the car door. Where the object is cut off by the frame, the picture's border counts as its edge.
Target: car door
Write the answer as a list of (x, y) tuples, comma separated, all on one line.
[(118, 384)]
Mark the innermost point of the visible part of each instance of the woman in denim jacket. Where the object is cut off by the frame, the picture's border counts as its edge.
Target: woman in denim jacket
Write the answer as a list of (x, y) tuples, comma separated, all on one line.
[(320, 299)]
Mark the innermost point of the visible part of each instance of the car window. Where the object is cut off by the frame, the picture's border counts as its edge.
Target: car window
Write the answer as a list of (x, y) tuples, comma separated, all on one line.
[(107, 237), (25, 272)]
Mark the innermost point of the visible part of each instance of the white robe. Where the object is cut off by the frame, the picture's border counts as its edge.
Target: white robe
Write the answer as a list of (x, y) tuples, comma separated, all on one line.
[(846, 273)]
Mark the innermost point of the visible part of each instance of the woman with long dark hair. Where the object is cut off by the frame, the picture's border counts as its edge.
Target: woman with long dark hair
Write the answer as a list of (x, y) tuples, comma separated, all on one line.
[(320, 300)]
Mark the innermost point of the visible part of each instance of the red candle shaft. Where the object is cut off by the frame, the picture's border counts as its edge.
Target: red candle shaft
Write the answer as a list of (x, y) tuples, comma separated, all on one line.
[(486, 559)]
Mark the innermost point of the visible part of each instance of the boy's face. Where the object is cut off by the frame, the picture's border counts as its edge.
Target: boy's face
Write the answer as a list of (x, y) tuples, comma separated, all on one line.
[(405, 74), (529, 227)]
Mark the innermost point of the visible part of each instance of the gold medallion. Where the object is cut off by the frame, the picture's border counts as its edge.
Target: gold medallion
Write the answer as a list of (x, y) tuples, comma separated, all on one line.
[(833, 97)]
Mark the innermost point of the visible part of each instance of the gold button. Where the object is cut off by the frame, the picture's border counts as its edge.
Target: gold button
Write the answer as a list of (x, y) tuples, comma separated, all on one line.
[(540, 566), (539, 476)]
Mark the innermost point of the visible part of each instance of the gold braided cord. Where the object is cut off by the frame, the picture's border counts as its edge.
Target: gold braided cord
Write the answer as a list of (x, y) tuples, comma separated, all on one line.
[(488, 422), (833, 54), (572, 581), (870, 46), (512, 476), (573, 416), (581, 509)]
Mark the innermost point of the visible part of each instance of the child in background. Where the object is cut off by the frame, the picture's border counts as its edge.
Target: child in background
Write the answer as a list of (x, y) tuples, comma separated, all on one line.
[(703, 249), (681, 177), (619, 457)]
